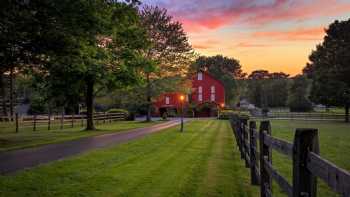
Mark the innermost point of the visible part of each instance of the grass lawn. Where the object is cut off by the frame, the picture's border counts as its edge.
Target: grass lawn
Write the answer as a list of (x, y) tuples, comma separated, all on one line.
[(334, 138), (10, 140), (202, 161)]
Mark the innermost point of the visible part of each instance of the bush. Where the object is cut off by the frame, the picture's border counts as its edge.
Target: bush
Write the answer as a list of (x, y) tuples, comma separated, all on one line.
[(37, 105), (226, 114), (127, 115), (115, 110)]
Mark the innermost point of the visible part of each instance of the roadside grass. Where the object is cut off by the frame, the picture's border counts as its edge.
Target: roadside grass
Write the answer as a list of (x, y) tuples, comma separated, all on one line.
[(10, 140), (334, 138), (202, 161)]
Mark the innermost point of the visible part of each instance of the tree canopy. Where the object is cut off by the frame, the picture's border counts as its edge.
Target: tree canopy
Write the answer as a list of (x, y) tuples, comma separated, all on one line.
[(76, 45), (262, 86), (170, 53), (329, 67)]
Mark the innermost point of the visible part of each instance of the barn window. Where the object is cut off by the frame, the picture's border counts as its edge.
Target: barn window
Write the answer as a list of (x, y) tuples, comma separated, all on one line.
[(200, 76), (200, 97), (212, 97), (212, 89), (167, 100), (200, 90)]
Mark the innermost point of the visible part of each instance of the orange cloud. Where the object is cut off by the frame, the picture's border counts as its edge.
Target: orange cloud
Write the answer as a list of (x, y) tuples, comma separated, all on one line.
[(315, 33), (204, 44), (248, 45)]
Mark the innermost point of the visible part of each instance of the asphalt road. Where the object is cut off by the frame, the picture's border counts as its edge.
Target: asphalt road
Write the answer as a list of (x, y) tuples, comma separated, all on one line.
[(13, 161)]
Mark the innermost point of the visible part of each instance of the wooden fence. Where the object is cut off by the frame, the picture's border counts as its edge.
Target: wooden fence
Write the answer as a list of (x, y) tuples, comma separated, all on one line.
[(308, 165), (49, 121), (306, 115)]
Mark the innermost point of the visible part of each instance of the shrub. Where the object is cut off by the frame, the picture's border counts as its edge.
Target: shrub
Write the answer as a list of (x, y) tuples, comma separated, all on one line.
[(127, 115), (226, 114)]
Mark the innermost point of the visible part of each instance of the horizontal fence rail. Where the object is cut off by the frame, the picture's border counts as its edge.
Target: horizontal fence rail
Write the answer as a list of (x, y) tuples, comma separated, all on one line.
[(308, 165), (306, 115), (60, 121)]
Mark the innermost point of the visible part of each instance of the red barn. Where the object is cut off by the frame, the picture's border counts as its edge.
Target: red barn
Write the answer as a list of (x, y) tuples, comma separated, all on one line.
[(208, 94)]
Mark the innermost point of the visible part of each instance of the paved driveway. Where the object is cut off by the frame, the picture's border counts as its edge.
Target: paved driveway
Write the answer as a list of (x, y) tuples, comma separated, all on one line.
[(13, 161)]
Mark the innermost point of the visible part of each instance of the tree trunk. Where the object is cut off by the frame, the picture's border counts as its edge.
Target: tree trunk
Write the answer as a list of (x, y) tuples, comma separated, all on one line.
[(149, 104), (3, 95), (347, 106), (11, 94), (90, 105)]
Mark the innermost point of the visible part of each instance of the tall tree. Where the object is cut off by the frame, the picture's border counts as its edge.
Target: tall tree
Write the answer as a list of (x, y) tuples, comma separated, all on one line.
[(298, 100), (262, 87), (329, 67), (78, 44), (108, 54), (225, 69), (170, 54)]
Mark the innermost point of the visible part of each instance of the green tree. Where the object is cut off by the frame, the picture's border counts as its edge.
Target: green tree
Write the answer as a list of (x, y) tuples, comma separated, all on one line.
[(81, 45), (170, 54), (329, 68), (256, 93), (262, 87), (225, 69), (298, 95)]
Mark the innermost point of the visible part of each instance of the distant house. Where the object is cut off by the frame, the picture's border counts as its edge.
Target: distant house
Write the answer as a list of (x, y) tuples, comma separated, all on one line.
[(245, 104), (207, 95)]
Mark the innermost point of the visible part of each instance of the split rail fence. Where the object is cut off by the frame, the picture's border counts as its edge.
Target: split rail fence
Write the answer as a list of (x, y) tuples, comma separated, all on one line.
[(35, 122), (308, 165)]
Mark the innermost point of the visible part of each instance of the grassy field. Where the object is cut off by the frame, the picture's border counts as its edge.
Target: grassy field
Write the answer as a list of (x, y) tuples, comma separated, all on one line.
[(334, 138), (203, 161), (10, 140)]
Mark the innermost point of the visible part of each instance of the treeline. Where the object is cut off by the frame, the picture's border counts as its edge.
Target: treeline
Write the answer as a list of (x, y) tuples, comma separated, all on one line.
[(278, 89), (325, 79)]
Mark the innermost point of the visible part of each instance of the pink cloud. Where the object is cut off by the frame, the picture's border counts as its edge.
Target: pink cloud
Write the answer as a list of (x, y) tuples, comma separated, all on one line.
[(315, 33), (200, 15)]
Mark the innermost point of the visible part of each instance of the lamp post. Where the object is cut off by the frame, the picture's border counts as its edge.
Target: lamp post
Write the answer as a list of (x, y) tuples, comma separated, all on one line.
[(182, 98), (222, 105)]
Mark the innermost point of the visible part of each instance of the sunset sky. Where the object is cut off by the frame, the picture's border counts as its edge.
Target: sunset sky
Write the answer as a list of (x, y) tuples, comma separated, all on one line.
[(276, 35)]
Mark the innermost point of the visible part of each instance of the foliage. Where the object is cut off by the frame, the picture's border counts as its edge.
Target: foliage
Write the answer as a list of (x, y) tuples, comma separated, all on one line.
[(170, 53), (329, 67), (262, 86), (90, 45), (37, 105), (225, 69), (298, 95)]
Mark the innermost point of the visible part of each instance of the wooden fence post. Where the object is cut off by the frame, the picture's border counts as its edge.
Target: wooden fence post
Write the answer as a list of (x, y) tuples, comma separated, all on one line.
[(16, 122), (62, 120), (265, 152), (104, 118), (245, 140), (82, 120), (304, 183), (254, 177), (240, 137), (34, 122), (72, 120), (49, 122)]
